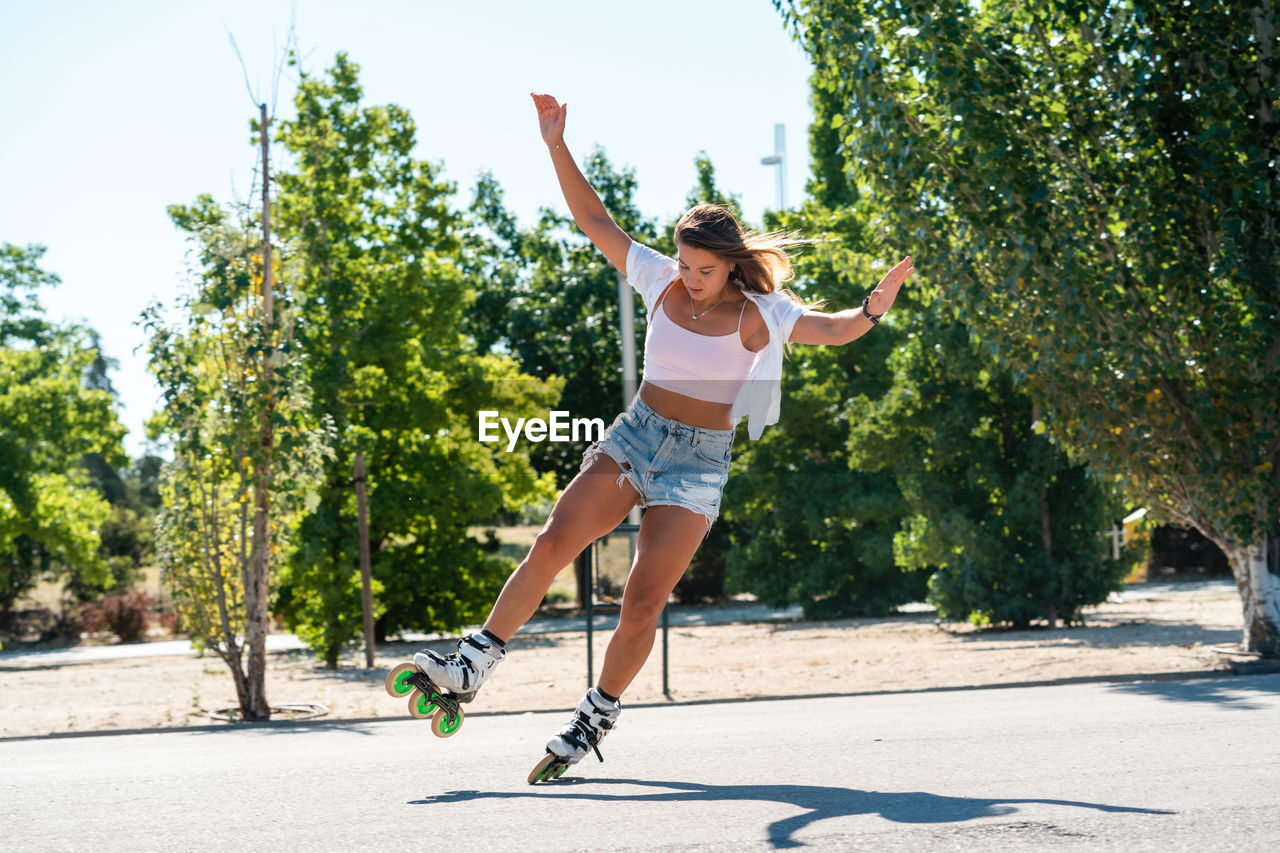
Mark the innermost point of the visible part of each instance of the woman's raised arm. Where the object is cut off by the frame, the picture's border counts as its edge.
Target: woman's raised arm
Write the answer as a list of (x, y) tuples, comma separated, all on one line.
[(585, 206), (819, 327)]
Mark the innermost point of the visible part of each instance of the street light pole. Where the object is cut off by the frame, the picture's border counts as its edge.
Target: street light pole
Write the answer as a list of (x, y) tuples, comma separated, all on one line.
[(779, 159), (626, 314)]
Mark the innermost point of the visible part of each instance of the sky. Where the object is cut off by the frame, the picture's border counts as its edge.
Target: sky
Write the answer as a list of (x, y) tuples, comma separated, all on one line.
[(113, 111)]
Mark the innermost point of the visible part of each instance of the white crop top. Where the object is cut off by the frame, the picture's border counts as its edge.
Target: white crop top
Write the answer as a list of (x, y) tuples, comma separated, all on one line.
[(704, 367), (760, 397)]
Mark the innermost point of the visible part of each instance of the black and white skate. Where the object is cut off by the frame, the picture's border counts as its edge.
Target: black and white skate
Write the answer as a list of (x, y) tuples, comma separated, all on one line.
[(442, 706)]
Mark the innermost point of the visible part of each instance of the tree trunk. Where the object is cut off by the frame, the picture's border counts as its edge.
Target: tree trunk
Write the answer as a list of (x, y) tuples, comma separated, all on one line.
[(257, 589), (366, 578), (1046, 532), (253, 703), (1046, 527), (1257, 571)]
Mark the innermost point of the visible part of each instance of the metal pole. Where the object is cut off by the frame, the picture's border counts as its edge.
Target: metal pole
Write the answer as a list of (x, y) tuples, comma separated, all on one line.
[(780, 148), (779, 159), (586, 560), (666, 681), (627, 322), (626, 312)]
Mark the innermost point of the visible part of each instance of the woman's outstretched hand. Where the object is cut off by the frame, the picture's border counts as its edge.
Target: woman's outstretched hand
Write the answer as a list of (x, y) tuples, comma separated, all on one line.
[(550, 118), (881, 299)]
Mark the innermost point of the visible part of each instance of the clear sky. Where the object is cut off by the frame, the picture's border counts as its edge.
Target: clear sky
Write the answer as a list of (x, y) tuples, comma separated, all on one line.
[(112, 111)]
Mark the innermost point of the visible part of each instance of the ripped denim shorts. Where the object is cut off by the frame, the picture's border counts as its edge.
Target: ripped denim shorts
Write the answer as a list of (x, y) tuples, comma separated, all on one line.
[(668, 462)]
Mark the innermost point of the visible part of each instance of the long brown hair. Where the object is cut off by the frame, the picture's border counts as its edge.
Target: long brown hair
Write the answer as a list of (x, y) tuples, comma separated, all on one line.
[(762, 261)]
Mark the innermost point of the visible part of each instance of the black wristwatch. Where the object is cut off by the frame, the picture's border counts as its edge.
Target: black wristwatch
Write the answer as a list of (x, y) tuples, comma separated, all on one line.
[(866, 311)]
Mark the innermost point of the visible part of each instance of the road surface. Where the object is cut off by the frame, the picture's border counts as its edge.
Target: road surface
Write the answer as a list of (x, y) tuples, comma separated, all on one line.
[(1169, 765)]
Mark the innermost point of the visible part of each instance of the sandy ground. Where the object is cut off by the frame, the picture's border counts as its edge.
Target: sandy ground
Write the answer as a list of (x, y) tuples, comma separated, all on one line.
[(1134, 636)]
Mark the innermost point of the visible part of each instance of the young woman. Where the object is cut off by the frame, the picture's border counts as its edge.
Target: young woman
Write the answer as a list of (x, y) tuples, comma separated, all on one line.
[(713, 354)]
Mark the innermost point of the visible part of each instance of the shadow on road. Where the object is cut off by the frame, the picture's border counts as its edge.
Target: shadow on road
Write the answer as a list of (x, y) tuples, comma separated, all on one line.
[(819, 802), (1247, 695)]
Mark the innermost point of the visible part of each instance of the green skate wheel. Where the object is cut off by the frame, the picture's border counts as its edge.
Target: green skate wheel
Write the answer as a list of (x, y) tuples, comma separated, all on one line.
[(397, 686), (550, 767), (441, 726), (420, 706), (542, 769)]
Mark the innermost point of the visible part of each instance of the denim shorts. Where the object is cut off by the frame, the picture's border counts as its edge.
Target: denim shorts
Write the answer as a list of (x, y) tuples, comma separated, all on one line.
[(668, 462)]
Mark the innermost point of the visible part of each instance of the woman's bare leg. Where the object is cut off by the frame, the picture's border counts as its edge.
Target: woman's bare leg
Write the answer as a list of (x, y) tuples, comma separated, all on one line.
[(590, 506), (669, 537)]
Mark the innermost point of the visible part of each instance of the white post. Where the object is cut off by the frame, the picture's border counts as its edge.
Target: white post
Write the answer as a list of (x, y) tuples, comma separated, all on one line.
[(626, 311), (779, 159), (626, 314), (780, 148)]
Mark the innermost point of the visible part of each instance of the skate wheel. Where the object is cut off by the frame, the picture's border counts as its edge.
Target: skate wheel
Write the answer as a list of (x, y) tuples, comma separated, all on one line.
[(442, 726), (550, 767), (421, 707), (397, 687)]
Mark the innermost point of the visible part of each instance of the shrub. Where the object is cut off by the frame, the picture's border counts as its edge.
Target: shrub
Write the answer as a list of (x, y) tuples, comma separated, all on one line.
[(127, 615)]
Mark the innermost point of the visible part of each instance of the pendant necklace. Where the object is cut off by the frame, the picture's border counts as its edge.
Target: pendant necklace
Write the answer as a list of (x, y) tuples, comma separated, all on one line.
[(704, 313)]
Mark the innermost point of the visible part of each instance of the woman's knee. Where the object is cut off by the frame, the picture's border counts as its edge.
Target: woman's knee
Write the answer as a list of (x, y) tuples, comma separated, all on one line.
[(641, 610), (555, 544)]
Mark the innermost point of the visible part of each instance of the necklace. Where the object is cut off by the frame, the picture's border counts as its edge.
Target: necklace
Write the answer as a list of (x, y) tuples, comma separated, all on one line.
[(704, 313)]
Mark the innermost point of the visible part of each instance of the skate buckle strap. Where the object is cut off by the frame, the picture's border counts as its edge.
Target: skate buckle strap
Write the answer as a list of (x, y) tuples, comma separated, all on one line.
[(474, 643), (466, 664), (582, 734)]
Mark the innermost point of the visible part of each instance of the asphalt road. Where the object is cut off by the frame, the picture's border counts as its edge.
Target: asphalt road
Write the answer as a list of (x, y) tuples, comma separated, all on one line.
[(1169, 765)]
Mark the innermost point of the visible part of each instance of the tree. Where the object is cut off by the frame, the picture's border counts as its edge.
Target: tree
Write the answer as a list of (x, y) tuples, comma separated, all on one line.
[(212, 366), (50, 418), (382, 297), (125, 535), (1099, 183), (1010, 526)]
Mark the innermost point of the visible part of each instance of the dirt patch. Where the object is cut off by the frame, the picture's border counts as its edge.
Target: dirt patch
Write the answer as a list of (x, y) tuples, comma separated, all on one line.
[(1156, 635)]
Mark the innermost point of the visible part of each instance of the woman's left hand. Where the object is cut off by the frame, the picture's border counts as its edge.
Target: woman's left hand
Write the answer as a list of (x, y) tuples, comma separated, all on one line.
[(881, 299)]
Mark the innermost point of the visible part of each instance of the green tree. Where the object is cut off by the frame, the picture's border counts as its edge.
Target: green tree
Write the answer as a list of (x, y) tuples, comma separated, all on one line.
[(1011, 526), (1098, 182), (218, 366), (50, 419), (380, 334)]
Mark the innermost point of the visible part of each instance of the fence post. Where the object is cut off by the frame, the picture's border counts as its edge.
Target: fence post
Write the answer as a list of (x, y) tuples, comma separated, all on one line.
[(588, 586)]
